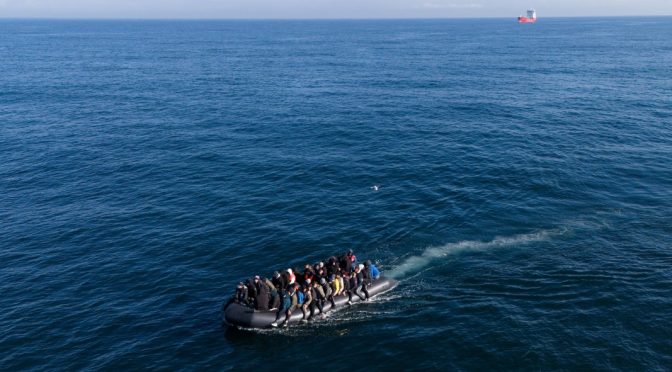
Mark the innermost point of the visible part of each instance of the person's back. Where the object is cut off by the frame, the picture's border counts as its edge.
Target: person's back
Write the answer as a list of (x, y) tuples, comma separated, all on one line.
[(375, 273), (344, 263), (362, 282), (262, 298), (251, 289), (366, 273)]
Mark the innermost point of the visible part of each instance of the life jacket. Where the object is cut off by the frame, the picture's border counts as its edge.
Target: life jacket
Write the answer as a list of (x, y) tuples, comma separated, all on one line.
[(308, 275)]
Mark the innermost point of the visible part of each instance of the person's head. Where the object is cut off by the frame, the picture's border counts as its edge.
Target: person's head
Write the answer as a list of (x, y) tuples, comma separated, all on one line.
[(307, 267), (256, 278), (332, 277), (289, 271), (323, 281), (321, 264), (308, 281), (350, 252), (367, 263)]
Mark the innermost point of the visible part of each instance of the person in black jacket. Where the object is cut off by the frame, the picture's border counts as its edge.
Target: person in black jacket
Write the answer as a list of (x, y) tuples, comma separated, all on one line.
[(345, 263), (362, 281), (279, 281), (241, 294), (332, 266), (261, 300)]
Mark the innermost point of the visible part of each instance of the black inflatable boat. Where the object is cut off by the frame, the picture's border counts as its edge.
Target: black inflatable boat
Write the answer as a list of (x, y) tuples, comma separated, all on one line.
[(242, 316)]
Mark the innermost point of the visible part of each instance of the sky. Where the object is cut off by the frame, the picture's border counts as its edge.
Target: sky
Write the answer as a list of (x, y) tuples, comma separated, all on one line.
[(326, 8)]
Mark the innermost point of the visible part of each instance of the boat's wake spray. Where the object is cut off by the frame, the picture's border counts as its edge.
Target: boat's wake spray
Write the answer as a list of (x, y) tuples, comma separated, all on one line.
[(415, 263)]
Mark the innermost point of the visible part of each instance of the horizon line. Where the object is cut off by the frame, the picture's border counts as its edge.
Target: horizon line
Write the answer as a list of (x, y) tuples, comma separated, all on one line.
[(310, 18)]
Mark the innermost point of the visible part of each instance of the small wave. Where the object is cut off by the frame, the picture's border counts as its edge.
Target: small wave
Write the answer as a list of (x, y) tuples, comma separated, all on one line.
[(416, 263)]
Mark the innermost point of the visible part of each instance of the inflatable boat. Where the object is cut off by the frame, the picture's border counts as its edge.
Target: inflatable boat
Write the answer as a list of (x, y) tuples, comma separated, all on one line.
[(241, 316)]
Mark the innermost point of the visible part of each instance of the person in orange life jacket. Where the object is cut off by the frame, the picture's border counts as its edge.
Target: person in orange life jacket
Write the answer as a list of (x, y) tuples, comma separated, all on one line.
[(308, 273), (291, 278)]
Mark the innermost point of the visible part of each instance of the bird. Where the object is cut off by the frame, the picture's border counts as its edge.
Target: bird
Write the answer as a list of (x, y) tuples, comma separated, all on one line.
[(375, 187)]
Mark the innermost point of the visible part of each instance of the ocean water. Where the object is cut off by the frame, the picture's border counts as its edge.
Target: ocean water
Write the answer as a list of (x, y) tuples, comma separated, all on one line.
[(524, 201)]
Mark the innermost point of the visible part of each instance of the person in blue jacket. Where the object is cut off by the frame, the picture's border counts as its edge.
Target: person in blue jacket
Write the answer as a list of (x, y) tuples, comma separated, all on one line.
[(375, 273)]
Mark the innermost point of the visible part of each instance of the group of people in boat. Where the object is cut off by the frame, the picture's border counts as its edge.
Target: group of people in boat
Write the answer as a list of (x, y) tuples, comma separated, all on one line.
[(310, 290)]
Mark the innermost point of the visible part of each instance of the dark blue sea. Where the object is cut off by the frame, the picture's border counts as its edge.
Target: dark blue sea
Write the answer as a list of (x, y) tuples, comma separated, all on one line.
[(524, 196)]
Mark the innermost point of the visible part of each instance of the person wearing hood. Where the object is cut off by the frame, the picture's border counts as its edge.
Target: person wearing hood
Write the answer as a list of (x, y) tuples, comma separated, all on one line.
[(373, 271)]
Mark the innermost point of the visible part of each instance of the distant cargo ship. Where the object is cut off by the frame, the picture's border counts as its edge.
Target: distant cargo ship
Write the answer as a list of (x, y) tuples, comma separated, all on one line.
[(531, 17)]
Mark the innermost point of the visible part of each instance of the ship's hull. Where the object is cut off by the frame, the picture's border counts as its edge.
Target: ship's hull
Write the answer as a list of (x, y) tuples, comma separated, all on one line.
[(526, 20)]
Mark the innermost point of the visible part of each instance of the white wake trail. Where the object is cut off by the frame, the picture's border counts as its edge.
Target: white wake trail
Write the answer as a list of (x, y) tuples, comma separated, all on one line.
[(416, 263)]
